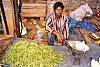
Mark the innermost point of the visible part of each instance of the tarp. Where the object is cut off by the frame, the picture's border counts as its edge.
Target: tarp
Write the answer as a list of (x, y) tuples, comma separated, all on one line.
[(79, 24)]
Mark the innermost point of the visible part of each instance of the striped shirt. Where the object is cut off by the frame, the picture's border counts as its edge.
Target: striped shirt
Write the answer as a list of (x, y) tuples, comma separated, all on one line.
[(60, 25)]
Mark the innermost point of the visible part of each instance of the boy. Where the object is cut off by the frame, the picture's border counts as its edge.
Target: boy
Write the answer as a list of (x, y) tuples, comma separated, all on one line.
[(57, 25)]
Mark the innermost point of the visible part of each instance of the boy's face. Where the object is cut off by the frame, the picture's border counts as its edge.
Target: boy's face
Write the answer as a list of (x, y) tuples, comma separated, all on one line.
[(58, 11)]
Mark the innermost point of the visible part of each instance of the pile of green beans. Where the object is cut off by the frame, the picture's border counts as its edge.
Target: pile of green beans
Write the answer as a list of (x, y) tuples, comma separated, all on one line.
[(30, 54)]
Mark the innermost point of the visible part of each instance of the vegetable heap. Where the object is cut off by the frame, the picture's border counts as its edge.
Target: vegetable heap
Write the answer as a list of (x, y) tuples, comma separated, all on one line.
[(29, 54)]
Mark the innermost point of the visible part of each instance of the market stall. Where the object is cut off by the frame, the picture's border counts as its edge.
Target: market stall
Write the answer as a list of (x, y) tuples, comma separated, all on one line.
[(24, 38), (85, 58)]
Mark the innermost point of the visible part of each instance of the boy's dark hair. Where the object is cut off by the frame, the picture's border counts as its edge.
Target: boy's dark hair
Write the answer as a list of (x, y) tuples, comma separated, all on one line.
[(58, 4)]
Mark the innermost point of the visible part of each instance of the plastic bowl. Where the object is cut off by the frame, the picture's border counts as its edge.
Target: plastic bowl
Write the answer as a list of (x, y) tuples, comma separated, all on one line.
[(40, 35)]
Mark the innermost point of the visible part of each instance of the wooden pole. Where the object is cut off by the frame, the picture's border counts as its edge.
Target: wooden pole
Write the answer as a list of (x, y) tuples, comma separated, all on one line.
[(9, 17), (17, 30), (4, 17)]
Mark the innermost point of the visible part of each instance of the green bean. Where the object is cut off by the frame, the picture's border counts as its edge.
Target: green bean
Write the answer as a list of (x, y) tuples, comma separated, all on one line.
[(29, 54)]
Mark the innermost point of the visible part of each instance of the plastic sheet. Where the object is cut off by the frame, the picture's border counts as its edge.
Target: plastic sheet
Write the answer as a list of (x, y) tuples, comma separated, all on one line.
[(94, 52)]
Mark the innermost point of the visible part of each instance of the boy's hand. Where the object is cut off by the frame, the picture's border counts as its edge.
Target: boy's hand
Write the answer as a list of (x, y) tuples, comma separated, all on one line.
[(59, 37)]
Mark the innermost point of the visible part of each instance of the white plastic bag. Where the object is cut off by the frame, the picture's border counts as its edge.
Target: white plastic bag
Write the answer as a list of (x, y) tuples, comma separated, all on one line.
[(80, 12), (95, 63), (79, 46)]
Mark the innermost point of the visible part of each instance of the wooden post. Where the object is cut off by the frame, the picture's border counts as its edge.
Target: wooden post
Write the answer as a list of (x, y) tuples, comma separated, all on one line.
[(3, 24), (15, 5), (4, 17), (9, 16)]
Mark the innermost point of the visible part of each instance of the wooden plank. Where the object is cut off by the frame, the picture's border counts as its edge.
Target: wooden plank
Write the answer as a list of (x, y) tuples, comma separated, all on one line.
[(97, 33), (94, 21), (33, 10), (5, 40), (32, 15), (88, 40), (40, 1), (84, 32), (4, 28), (9, 16), (3, 37), (33, 4)]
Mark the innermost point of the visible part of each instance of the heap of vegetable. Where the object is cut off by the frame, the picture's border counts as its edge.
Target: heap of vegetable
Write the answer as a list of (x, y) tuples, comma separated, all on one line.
[(29, 54)]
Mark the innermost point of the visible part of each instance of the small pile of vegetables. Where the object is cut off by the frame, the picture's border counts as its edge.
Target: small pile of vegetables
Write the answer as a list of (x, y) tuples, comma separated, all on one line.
[(29, 54)]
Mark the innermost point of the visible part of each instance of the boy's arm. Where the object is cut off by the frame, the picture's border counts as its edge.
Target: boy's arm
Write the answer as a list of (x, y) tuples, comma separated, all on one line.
[(49, 25), (59, 37), (67, 28)]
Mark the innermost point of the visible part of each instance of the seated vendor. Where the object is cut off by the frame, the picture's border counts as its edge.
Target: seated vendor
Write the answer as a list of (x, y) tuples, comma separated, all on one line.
[(57, 25)]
